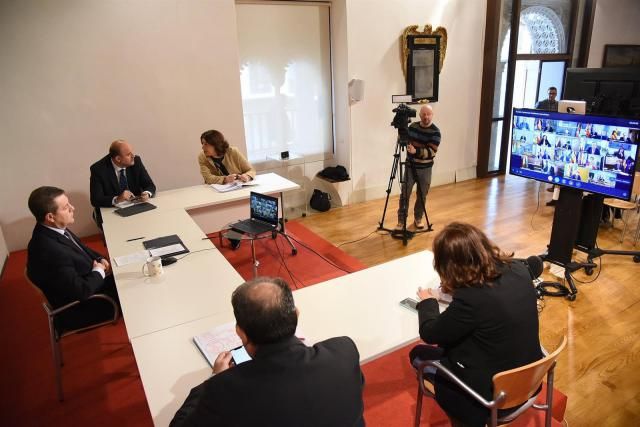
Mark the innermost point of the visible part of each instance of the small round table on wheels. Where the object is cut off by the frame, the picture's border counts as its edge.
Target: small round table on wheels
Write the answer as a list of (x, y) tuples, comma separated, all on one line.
[(229, 233)]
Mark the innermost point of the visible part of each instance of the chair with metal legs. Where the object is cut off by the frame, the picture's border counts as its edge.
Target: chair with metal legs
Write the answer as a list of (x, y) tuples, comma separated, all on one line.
[(517, 387), (57, 331)]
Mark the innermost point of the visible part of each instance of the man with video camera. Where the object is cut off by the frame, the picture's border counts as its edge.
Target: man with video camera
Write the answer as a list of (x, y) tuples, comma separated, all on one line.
[(424, 140)]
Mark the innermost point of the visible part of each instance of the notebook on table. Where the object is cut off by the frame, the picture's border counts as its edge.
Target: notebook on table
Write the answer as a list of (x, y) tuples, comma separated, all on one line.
[(224, 338), (135, 209), (165, 246), (263, 211)]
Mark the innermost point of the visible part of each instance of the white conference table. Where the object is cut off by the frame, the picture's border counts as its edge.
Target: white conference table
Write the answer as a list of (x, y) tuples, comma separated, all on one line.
[(199, 284), (363, 305), (162, 314), (199, 196)]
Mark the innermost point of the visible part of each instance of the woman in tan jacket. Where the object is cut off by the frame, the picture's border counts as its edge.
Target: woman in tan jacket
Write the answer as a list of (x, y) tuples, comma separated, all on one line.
[(220, 163)]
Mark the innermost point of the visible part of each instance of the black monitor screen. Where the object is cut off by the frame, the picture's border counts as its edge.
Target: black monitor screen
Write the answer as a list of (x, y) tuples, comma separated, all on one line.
[(591, 153)]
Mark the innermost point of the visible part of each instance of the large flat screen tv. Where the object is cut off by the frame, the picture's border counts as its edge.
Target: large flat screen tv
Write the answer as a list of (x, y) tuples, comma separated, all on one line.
[(597, 154)]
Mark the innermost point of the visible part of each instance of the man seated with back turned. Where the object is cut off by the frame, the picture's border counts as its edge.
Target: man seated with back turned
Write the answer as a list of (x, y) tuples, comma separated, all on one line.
[(117, 177), (286, 383), (62, 266)]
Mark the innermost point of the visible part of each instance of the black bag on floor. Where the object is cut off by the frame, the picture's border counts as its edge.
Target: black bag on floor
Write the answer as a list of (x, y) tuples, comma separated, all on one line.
[(320, 201)]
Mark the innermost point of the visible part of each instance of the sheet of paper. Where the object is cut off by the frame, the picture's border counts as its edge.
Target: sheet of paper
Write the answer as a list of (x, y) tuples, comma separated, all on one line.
[(217, 340), (224, 338), (223, 188), (254, 181), (235, 185), (134, 258), (166, 250)]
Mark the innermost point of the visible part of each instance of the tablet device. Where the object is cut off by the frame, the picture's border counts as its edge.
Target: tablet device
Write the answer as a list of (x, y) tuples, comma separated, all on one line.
[(240, 355), (135, 209)]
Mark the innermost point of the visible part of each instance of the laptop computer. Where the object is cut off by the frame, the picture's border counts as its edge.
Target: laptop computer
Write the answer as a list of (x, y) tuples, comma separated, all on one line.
[(135, 209), (264, 215)]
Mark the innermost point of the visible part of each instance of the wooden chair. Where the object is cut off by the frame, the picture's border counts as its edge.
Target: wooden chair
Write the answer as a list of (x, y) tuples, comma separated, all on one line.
[(57, 332), (626, 208), (519, 386)]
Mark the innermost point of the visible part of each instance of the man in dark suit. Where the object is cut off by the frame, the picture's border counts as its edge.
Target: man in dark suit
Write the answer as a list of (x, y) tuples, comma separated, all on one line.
[(62, 266), (117, 177), (286, 383), (549, 104)]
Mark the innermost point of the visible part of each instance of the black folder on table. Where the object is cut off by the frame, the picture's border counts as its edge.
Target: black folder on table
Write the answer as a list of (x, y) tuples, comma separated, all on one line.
[(135, 209), (161, 242)]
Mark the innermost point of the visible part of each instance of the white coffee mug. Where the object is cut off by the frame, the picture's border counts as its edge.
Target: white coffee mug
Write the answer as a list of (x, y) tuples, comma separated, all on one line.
[(153, 266)]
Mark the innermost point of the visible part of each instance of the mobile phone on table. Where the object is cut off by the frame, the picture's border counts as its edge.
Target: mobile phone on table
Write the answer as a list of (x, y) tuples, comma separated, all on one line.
[(409, 303), (239, 355)]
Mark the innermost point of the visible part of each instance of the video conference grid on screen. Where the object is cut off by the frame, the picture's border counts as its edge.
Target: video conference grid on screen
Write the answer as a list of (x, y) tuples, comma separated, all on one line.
[(590, 153), (264, 207)]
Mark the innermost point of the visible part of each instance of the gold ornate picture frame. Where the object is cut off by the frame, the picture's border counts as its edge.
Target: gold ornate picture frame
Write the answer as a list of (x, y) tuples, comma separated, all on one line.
[(422, 58)]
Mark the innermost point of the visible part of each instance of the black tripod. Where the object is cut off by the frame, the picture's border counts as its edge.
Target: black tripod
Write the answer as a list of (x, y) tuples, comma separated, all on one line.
[(589, 231), (397, 168)]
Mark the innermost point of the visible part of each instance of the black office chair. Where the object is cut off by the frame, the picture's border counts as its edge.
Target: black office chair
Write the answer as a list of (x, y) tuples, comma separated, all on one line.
[(57, 330)]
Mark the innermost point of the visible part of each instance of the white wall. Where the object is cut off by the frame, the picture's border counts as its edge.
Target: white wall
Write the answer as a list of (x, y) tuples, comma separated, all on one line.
[(374, 28), (341, 77), (615, 22), (4, 252), (76, 75)]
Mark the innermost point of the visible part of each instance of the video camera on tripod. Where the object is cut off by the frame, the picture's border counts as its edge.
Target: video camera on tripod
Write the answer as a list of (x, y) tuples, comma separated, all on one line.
[(402, 118), (401, 122)]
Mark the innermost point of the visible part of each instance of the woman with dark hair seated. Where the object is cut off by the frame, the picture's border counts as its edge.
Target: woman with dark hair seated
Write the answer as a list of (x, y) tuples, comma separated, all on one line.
[(221, 163), (491, 324)]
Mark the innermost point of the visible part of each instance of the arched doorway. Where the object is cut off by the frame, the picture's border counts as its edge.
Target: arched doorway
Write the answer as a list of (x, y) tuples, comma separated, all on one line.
[(528, 63)]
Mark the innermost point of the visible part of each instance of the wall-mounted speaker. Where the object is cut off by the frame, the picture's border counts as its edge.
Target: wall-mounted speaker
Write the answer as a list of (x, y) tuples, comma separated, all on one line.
[(356, 90)]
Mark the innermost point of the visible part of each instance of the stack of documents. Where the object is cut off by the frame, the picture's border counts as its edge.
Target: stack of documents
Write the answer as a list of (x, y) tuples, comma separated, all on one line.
[(235, 185)]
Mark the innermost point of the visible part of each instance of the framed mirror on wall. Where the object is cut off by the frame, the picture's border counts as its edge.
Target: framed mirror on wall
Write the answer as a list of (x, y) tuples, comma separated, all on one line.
[(423, 67)]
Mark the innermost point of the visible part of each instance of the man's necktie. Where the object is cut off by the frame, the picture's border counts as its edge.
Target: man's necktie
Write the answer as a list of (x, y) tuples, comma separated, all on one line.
[(68, 236), (123, 181)]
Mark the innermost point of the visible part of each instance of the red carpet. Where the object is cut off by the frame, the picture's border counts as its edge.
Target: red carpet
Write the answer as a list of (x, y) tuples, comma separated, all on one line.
[(100, 378), (275, 257), (101, 383), (391, 389)]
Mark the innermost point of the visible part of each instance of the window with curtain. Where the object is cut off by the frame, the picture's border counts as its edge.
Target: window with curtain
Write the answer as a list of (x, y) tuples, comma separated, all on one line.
[(285, 78)]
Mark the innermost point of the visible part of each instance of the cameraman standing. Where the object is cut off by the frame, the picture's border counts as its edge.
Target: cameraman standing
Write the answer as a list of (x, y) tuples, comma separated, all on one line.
[(424, 139)]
